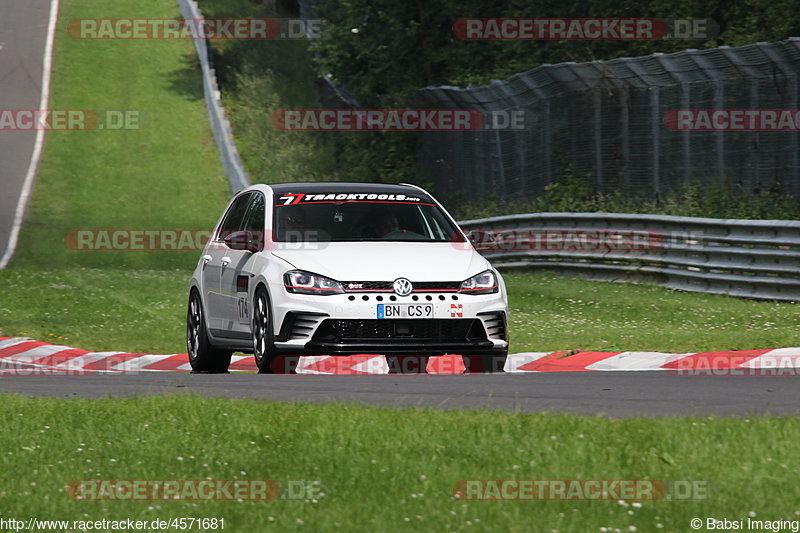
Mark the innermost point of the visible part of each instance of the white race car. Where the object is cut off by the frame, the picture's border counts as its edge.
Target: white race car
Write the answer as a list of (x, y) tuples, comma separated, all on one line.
[(342, 269)]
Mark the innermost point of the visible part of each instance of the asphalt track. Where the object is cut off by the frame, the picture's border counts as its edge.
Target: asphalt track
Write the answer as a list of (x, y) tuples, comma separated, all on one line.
[(23, 35), (612, 394)]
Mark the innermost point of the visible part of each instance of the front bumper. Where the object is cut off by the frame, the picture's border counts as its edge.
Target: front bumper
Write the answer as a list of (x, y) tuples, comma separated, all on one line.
[(346, 324)]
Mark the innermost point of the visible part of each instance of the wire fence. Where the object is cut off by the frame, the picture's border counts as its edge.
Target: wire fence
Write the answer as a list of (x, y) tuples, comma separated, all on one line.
[(609, 122)]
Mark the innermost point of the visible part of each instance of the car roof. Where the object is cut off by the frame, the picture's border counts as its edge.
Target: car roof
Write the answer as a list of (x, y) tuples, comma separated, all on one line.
[(341, 187)]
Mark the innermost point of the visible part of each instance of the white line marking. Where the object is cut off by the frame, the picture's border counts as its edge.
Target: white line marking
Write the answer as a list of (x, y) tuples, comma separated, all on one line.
[(24, 365), (779, 358), (34, 354), (373, 365), (304, 361), (234, 359), (138, 363), (79, 362), (13, 341), (37, 147), (637, 361)]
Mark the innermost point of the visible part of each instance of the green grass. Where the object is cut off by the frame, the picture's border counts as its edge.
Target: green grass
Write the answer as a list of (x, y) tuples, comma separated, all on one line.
[(556, 313), (97, 309), (144, 311), (165, 175), (258, 78), (383, 469)]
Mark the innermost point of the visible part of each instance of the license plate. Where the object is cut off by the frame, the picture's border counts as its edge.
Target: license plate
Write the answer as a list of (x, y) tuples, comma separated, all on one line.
[(405, 311)]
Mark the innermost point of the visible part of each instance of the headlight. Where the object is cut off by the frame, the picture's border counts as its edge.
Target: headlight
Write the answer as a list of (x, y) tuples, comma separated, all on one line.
[(483, 283), (301, 282)]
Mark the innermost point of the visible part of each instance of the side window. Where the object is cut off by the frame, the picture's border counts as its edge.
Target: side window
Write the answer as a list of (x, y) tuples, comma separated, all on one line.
[(254, 221), (234, 217)]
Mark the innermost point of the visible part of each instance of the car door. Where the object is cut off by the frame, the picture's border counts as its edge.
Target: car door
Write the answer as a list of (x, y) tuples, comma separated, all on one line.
[(236, 275), (217, 255)]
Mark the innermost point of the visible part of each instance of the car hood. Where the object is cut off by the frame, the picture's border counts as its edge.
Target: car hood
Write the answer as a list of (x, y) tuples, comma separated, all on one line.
[(385, 261)]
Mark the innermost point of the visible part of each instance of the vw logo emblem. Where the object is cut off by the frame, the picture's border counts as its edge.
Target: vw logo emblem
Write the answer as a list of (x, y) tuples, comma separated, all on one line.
[(402, 287)]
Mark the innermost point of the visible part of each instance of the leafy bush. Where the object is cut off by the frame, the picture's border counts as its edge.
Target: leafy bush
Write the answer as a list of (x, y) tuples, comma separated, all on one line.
[(571, 193), (384, 51)]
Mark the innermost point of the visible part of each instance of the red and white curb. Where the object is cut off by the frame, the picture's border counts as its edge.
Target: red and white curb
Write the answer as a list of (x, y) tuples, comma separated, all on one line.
[(695, 363), (21, 355)]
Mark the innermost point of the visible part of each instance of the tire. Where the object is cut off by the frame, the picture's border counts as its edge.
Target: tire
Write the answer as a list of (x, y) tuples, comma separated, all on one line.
[(263, 338), (202, 356)]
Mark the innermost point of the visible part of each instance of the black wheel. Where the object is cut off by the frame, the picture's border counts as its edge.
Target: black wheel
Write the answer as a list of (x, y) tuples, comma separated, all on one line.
[(263, 339), (202, 356)]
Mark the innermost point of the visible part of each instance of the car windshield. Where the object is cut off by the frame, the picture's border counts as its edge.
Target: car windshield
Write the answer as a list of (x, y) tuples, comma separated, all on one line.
[(362, 221)]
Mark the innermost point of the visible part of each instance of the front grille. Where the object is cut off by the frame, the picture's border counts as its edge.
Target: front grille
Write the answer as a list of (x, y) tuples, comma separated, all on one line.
[(431, 330), (386, 286), (303, 326), (298, 325), (436, 286), (495, 324)]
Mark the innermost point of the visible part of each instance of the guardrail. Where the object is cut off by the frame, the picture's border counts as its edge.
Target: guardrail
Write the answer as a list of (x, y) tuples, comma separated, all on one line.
[(745, 258), (220, 126)]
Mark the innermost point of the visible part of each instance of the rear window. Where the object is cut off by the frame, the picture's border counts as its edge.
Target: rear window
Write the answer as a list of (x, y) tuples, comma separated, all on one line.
[(331, 221)]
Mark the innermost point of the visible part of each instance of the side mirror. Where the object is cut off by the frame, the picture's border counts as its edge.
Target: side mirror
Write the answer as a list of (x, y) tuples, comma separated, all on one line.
[(250, 241)]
